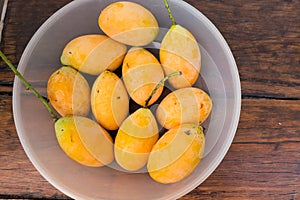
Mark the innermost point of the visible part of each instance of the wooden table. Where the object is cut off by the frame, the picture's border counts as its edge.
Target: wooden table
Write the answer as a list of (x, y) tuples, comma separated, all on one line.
[(264, 159)]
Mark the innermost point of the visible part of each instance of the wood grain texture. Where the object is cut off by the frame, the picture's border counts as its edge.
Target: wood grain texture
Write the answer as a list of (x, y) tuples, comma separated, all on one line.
[(21, 22), (19, 179), (263, 161)]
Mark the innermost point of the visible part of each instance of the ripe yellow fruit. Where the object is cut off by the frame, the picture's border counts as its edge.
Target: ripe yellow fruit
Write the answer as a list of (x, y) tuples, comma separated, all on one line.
[(84, 141), (176, 154), (128, 23), (180, 52), (92, 54), (109, 100), (184, 106), (69, 92), (135, 139), (141, 73)]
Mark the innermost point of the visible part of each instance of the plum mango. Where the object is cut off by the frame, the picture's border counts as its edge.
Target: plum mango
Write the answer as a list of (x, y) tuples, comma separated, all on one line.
[(109, 100), (69, 92), (135, 139), (180, 52), (141, 73), (176, 154), (92, 54), (84, 141), (186, 105), (128, 23)]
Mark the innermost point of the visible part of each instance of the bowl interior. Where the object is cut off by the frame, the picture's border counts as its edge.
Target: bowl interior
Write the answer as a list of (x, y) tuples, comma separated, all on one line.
[(219, 77)]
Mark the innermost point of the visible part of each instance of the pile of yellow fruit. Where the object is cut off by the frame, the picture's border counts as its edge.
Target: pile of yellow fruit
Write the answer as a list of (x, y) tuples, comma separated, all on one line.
[(85, 138)]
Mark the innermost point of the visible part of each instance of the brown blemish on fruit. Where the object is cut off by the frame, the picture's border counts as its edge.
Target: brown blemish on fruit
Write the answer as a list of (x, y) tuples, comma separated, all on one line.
[(188, 132)]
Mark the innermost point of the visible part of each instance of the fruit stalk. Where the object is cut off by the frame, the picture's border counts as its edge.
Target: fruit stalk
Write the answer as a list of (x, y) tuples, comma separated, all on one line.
[(28, 86), (160, 84), (170, 12)]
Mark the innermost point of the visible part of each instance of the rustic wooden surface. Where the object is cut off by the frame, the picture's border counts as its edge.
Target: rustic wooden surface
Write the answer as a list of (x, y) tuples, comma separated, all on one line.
[(264, 159)]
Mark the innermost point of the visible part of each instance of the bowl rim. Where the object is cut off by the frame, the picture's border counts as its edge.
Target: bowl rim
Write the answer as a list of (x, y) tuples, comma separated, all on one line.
[(215, 162)]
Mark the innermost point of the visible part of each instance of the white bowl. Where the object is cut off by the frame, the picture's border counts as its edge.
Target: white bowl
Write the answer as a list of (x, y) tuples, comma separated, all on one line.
[(219, 76)]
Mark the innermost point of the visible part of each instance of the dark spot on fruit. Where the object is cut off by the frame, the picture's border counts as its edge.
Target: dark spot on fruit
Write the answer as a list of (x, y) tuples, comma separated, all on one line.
[(58, 72), (118, 97), (188, 132), (62, 129), (71, 138), (70, 52), (127, 65), (98, 91), (201, 105)]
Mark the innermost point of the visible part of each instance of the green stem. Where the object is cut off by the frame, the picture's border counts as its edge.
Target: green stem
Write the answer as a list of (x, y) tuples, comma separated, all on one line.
[(170, 12), (29, 87), (160, 84)]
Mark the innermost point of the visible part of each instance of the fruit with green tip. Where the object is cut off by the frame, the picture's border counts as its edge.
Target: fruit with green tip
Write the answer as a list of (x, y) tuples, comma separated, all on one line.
[(180, 52), (84, 141)]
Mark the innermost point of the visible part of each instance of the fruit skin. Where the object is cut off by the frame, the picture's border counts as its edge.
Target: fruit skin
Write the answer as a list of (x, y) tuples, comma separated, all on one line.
[(92, 54), (109, 100), (141, 72), (128, 23), (84, 141), (186, 105), (180, 52), (176, 154), (135, 139), (69, 92)]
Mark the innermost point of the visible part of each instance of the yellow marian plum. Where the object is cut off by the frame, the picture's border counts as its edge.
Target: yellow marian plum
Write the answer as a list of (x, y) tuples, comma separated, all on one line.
[(92, 54), (186, 105), (176, 154), (141, 73), (180, 52), (84, 141), (109, 100), (135, 139), (69, 92), (128, 23)]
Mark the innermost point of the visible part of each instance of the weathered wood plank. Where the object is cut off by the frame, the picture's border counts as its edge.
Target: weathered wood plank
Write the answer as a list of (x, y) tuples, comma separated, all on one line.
[(273, 122), (22, 21), (254, 171), (19, 179)]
